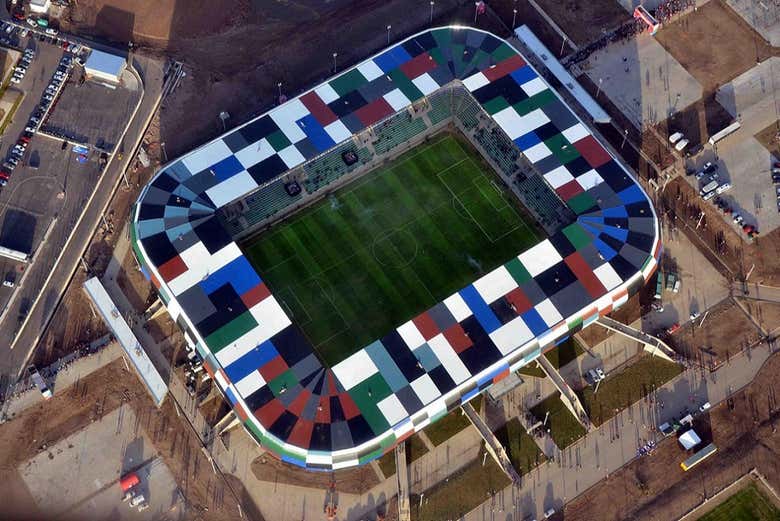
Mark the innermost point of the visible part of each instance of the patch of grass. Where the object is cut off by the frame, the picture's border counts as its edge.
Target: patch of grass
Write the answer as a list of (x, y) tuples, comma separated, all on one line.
[(395, 242), (464, 491), (564, 427), (749, 504), (520, 446), (620, 390), (533, 369), (564, 353), (415, 448), (451, 424)]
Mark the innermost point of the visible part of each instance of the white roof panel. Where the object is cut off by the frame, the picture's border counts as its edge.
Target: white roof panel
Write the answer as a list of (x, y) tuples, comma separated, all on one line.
[(411, 335), (231, 189), (337, 131), (535, 86), (206, 156), (458, 307), (510, 122), (426, 84), (370, 70), (589, 179), (575, 133), (291, 156), (327, 93), (250, 383), (254, 153), (285, 116), (537, 152), (392, 409), (511, 335), (548, 312), (608, 276), (540, 257), (449, 359), (396, 99), (475, 81), (270, 316), (495, 284), (425, 389), (558, 177), (355, 369)]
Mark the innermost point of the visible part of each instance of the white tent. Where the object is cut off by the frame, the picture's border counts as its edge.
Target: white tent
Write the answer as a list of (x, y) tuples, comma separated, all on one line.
[(689, 439)]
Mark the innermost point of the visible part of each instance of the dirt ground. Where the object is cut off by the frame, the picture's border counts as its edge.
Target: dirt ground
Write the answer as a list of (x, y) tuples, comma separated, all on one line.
[(353, 481), (627, 314), (96, 395), (770, 138), (766, 313), (697, 121), (656, 488), (726, 331), (697, 41), (570, 15)]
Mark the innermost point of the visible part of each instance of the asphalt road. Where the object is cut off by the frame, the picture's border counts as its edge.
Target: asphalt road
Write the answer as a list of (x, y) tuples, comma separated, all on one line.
[(57, 259)]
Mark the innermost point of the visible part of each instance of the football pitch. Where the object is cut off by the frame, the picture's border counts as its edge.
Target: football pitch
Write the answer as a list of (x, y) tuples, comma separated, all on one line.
[(381, 250), (749, 504)]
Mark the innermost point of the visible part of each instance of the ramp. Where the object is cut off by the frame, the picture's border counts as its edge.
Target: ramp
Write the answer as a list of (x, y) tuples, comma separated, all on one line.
[(402, 481), (655, 346), (492, 444), (568, 396)]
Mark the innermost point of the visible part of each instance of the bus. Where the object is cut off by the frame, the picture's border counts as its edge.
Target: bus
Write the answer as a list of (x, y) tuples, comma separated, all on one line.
[(697, 458)]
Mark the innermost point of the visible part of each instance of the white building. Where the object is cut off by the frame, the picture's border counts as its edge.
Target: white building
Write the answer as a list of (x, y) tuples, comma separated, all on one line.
[(105, 67), (40, 6)]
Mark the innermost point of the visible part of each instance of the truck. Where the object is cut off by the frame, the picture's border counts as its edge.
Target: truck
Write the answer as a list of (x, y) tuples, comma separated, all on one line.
[(659, 285), (671, 278), (39, 382), (709, 187)]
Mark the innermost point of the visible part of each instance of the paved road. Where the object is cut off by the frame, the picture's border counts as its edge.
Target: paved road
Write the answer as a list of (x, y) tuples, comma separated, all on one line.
[(48, 276)]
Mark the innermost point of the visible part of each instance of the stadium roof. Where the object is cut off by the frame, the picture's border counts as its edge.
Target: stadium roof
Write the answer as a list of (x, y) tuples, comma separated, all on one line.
[(325, 418)]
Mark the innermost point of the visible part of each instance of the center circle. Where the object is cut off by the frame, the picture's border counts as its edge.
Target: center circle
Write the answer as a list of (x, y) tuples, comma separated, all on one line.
[(395, 248)]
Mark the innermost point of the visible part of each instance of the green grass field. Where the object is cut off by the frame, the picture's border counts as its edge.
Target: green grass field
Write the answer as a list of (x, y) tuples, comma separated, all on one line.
[(390, 245), (564, 427), (749, 504)]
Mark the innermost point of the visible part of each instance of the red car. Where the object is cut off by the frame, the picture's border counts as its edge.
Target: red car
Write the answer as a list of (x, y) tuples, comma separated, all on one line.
[(4, 174), (24, 139), (18, 15)]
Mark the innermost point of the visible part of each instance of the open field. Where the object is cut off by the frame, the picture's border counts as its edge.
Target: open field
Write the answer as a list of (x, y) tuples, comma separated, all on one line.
[(620, 390), (749, 504), (465, 490), (383, 249), (520, 446), (696, 41), (451, 424), (564, 427)]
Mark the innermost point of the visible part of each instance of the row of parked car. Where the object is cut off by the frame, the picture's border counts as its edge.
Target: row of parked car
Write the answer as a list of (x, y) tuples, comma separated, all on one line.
[(17, 152), (21, 67), (776, 181)]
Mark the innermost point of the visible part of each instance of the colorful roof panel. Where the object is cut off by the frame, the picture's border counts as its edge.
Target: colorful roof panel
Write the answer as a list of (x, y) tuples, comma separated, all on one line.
[(327, 418)]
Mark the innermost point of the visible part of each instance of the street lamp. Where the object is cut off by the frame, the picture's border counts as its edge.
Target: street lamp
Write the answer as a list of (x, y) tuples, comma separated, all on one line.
[(280, 89), (162, 148), (598, 91), (432, 11), (514, 19), (388, 33), (334, 62)]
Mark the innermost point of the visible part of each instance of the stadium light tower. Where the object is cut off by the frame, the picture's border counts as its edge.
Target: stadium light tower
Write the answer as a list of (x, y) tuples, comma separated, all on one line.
[(388, 33)]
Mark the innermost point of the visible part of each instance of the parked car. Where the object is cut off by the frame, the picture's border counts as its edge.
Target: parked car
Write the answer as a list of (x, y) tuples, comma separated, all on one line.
[(51, 31), (738, 219), (16, 80), (674, 138), (723, 188)]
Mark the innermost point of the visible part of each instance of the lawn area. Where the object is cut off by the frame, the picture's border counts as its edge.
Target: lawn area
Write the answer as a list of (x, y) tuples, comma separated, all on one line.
[(465, 490), (414, 449), (620, 390), (520, 446), (749, 504), (451, 424), (564, 353), (390, 245), (532, 369), (564, 427)]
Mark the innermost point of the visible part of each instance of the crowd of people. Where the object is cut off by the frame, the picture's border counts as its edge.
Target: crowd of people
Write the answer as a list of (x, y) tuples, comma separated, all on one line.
[(664, 12)]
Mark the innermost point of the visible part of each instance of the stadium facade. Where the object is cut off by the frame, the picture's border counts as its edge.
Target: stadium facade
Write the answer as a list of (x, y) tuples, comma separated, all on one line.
[(334, 417)]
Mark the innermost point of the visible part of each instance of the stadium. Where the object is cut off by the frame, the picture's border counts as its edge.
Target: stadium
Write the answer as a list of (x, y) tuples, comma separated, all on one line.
[(377, 251)]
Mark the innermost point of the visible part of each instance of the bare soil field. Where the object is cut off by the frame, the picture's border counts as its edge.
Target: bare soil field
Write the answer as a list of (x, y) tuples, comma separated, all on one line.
[(697, 121), (697, 41), (38, 427), (656, 488), (156, 22), (726, 332), (585, 20), (238, 68), (766, 313), (354, 481), (770, 138)]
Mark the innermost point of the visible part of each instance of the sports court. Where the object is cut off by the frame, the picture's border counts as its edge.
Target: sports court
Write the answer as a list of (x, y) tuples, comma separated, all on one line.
[(390, 245)]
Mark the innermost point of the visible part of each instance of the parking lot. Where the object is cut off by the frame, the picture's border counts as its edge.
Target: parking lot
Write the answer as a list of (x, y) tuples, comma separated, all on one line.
[(98, 456), (80, 113), (740, 157), (47, 181)]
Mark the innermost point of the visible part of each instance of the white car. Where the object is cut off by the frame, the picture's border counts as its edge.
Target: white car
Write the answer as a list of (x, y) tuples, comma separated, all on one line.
[(16, 80), (51, 31)]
